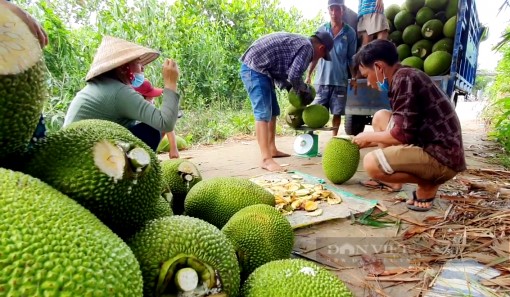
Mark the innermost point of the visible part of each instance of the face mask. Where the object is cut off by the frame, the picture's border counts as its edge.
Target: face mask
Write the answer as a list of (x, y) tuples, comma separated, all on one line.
[(137, 80), (383, 86)]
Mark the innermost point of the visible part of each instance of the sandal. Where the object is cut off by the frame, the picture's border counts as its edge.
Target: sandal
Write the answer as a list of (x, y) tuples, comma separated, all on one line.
[(417, 208), (376, 184)]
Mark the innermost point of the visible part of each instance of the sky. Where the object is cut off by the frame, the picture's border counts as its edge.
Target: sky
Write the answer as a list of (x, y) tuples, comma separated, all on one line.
[(487, 13)]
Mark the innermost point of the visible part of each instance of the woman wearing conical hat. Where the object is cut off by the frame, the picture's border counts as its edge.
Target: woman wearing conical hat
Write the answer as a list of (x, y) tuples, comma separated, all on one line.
[(118, 66)]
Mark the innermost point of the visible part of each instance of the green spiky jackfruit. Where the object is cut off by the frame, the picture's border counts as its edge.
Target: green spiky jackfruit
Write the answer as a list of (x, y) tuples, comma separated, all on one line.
[(178, 177), (52, 246), (23, 88), (340, 160), (260, 234), (217, 199), (293, 277), (315, 116), (167, 245), (294, 117), (164, 144), (105, 168)]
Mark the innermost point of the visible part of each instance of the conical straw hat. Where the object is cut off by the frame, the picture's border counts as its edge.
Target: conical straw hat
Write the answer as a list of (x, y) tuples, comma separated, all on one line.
[(114, 52)]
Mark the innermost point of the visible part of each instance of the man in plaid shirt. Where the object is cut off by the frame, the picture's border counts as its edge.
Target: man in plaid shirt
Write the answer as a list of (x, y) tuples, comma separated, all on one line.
[(278, 59), (420, 140)]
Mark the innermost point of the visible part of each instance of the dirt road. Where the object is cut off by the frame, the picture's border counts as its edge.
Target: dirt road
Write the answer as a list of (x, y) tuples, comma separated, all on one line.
[(324, 242)]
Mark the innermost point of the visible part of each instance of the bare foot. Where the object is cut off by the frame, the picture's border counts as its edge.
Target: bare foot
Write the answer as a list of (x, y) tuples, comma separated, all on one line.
[(278, 154), (271, 165), (419, 204)]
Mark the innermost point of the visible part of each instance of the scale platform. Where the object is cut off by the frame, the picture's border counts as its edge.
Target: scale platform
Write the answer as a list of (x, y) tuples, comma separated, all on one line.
[(307, 145)]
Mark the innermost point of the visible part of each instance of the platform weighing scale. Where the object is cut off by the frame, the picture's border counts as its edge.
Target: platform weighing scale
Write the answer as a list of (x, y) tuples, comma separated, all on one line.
[(307, 145)]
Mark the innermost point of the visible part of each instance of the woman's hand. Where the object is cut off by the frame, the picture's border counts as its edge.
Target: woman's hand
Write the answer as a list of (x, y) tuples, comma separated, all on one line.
[(170, 74)]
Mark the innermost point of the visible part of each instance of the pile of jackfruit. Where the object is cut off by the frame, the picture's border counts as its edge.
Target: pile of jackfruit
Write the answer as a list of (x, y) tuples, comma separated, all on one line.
[(91, 211)]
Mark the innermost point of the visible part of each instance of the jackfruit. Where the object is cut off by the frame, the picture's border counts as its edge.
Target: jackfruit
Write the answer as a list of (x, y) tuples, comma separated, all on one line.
[(414, 5), (422, 48), (450, 27), (437, 63), (294, 117), (403, 19), (424, 15), (178, 177), (293, 277), (414, 62), (297, 99), (340, 160), (395, 37), (105, 168), (391, 11), (315, 116), (23, 88), (52, 246), (432, 29), (404, 51), (181, 253), (411, 34), (452, 8), (445, 44), (217, 199), (164, 144), (436, 5), (260, 234)]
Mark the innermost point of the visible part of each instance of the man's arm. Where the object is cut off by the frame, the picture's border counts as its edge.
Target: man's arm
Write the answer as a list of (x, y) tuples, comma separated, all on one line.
[(406, 110), (298, 67), (133, 106), (371, 139), (351, 51), (311, 69)]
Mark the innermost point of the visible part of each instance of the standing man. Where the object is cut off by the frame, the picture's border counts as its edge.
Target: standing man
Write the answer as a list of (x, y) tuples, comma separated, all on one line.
[(282, 59), (332, 76), (372, 23), (420, 140)]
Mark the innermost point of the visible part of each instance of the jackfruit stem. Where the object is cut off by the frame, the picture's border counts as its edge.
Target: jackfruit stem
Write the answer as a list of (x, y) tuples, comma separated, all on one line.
[(176, 275), (186, 279), (139, 158)]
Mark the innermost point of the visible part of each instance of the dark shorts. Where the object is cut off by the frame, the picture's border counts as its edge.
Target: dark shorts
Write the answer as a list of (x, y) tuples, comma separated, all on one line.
[(333, 98), (147, 134), (262, 94), (39, 133)]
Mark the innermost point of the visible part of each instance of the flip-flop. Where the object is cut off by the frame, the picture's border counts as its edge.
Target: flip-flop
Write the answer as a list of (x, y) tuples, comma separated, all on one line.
[(378, 185), (417, 208)]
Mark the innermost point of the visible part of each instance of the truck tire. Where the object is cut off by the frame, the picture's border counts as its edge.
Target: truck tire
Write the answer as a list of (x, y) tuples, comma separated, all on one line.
[(355, 124)]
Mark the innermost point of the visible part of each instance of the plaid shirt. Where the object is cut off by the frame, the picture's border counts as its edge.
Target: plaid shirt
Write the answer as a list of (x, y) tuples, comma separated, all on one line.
[(282, 56), (425, 117)]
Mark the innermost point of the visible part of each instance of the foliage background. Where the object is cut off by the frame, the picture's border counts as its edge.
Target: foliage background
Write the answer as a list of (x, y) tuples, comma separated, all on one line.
[(497, 112), (205, 37)]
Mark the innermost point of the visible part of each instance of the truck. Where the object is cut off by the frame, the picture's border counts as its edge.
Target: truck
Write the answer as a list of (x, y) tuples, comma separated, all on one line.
[(363, 102)]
